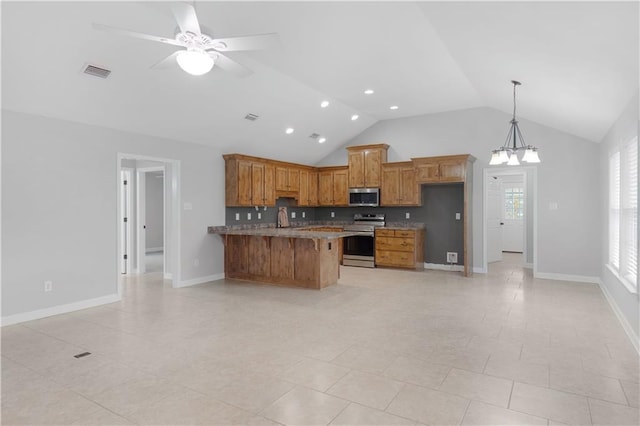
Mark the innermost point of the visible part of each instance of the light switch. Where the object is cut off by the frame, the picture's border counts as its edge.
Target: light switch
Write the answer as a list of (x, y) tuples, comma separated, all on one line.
[(553, 206), (333, 214), (188, 206), (248, 216), (293, 215), (407, 215), (259, 215), (237, 216), (304, 215), (457, 216)]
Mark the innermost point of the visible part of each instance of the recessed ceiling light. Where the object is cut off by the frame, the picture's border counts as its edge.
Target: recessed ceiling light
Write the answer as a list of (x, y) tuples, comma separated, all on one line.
[(354, 117), (322, 140), (289, 131), (368, 92), (324, 104), (393, 107)]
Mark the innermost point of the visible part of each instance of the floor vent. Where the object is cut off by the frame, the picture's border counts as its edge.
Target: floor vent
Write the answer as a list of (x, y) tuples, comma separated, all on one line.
[(82, 354), (251, 117), (97, 71)]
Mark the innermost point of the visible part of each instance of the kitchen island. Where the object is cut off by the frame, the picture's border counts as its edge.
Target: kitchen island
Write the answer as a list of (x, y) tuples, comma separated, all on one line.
[(282, 256)]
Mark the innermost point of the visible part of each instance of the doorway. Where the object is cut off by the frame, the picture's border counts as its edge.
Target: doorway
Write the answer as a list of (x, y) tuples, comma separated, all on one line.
[(509, 216), (149, 244)]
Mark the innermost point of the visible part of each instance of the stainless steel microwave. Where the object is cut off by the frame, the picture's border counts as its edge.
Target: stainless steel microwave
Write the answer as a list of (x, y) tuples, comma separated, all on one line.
[(369, 197)]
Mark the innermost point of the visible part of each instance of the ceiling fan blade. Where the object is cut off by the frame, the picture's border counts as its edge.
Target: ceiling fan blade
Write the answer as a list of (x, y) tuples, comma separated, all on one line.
[(186, 17), (253, 42), (229, 65), (128, 33), (167, 62)]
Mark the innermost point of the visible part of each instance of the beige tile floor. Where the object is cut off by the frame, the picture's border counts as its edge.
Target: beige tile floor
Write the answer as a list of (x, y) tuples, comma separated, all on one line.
[(382, 347)]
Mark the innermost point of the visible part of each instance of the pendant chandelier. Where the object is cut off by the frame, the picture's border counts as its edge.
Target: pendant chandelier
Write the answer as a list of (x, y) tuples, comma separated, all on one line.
[(508, 152)]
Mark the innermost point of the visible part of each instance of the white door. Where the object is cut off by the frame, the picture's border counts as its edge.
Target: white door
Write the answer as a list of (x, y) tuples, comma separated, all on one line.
[(494, 220), (513, 230)]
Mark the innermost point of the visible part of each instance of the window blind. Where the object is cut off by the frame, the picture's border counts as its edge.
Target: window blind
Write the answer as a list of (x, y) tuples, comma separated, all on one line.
[(614, 210), (629, 200)]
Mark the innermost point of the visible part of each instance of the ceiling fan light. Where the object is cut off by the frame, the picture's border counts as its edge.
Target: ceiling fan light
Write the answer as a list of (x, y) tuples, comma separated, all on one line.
[(513, 160), (495, 158), (195, 62)]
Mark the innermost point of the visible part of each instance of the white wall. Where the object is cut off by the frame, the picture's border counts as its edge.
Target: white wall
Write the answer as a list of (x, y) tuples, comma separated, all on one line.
[(154, 210), (563, 245), (59, 184), (625, 129)]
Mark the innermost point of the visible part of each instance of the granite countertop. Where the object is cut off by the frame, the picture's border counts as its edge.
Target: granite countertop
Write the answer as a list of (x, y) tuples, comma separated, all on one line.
[(280, 232)]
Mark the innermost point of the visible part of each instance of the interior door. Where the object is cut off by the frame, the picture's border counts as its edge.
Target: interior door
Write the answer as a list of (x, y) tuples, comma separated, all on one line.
[(494, 220), (513, 218)]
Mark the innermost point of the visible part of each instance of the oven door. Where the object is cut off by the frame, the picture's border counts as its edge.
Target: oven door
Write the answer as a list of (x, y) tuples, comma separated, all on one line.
[(359, 245)]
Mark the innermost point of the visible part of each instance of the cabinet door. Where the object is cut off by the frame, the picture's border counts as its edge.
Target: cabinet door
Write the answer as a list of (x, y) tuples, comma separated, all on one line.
[(452, 171), (282, 177), (389, 189), (269, 185), (293, 180), (313, 189), (340, 187), (428, 172), (372, 164), (356, 169), (244, 182), (409, 191), (303, 194), (325, 188), (257, 184)]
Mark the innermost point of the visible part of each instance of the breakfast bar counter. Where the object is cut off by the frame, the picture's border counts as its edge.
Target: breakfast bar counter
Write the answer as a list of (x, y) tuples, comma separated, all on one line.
[(282, 256)]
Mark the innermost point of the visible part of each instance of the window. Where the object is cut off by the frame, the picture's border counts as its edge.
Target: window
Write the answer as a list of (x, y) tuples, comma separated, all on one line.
[(623, 214), (513, 203)]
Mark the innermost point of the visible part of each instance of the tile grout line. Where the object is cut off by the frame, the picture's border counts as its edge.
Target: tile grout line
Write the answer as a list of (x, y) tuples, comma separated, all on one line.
[(513, 384)]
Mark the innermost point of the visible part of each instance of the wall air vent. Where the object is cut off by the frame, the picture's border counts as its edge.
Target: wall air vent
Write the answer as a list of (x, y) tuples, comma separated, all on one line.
[(251, 117), (97, 71), (314, 136)]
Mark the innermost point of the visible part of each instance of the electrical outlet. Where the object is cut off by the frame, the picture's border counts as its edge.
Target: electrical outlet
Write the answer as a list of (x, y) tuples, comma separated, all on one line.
[(196, 262), (48, 286), (333, 214), (259, 215), (304, 215), (293, 215), (237, 216), (457, 216), (452, 257), (407, 215), (248, 216)]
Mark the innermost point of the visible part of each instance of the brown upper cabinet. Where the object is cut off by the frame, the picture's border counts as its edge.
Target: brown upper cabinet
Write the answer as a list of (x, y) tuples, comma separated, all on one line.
[(450, 168), (399, 186), (308, 194), (365, 163), (287, 179), (248, 182), (333, 189)]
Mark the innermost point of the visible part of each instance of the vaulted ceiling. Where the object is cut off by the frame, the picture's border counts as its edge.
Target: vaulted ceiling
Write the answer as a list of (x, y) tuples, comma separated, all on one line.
[(578, 62)]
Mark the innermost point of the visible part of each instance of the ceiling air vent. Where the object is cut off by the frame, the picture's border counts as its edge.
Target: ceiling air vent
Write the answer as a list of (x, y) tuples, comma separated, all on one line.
[(314, 136), (97, 71), (251, 117)]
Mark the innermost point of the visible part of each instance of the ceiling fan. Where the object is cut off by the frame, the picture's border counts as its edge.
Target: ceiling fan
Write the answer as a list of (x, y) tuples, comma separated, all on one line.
[(201, 51)]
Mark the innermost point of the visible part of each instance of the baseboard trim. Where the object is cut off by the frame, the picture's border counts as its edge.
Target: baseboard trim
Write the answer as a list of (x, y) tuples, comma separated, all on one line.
[(441, 267), (60, 309), (201, 280), (635, 341), (153, 249), (567, 277)]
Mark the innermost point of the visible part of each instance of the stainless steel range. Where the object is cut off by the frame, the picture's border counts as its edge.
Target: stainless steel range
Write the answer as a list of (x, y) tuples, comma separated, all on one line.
[(359, 250)]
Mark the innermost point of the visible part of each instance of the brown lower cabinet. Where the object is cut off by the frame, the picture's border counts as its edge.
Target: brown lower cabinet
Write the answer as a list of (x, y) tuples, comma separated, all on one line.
[(400, 248), (297, 262)]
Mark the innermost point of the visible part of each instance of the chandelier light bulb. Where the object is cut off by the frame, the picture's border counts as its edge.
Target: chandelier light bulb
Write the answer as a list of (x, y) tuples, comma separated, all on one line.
[(495, 158), (504, 156), (194, 61), (513, 160)]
